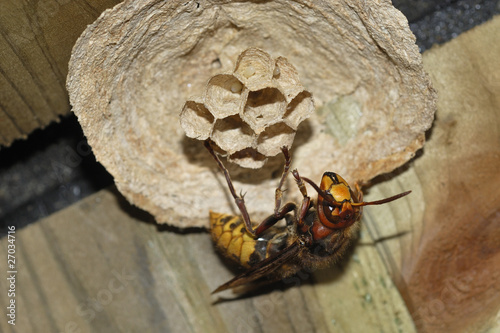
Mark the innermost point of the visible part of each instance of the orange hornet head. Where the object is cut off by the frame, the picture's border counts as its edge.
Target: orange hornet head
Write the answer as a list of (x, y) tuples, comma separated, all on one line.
[(335, 202), (337, 206)]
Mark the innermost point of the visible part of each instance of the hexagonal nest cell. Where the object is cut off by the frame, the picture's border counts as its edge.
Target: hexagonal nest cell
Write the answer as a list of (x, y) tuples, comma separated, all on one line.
[(246, 105)]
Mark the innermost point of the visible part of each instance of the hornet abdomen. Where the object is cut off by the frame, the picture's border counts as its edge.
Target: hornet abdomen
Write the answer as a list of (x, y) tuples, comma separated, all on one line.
[(233, 241)]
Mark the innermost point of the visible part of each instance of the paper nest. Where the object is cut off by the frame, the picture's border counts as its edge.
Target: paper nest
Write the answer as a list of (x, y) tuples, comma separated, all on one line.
[(132, 71)]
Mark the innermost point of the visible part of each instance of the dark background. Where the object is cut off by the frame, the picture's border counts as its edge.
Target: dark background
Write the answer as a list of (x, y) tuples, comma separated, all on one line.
[(55, 167)]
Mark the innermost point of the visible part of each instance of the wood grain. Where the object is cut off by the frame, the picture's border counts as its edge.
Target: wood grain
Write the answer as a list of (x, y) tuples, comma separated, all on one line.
[(104, 266), (36, 38)]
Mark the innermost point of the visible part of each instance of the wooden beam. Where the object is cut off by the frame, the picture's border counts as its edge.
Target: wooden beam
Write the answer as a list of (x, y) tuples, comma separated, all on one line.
[(102, 265), (36, 38)]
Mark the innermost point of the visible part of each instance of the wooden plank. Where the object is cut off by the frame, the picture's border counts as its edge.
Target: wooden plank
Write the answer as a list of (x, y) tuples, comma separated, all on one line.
[(36, 38), (447, 259), (453, 273), (102, 265)]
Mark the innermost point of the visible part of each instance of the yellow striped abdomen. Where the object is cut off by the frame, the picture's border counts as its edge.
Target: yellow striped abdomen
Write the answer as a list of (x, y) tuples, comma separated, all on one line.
[(233, 241), (230, 237)]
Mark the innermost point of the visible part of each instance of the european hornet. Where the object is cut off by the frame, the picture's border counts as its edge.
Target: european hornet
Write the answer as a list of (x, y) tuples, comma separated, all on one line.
[(315, 236)]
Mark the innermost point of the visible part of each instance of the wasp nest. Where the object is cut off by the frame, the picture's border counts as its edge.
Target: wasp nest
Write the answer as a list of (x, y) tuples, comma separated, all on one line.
[(132, 71), (251, 112)]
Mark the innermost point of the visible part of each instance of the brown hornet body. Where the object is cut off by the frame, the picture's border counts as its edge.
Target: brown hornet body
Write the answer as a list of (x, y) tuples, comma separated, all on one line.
[(321, 246), (314, 236)]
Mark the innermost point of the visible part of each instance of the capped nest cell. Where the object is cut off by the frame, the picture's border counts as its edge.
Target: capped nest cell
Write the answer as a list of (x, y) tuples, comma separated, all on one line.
[(252, 112), (132, 71)]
